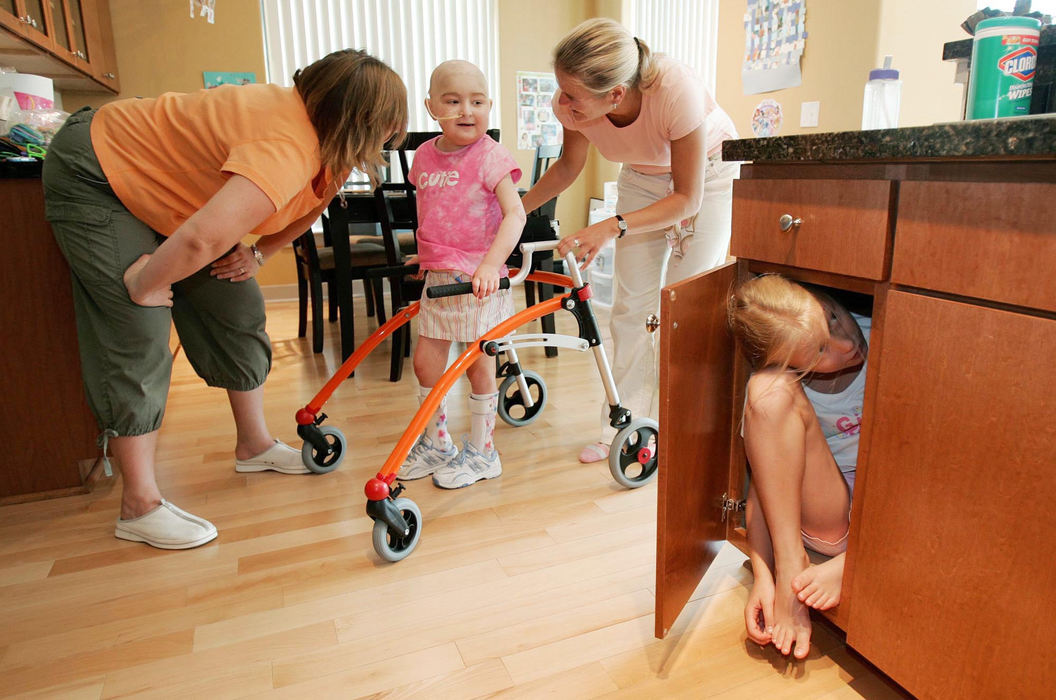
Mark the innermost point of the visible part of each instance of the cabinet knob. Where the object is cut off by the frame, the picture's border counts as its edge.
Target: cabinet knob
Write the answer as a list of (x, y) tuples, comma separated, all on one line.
[(787, 221), (652, 322), (111, 76)]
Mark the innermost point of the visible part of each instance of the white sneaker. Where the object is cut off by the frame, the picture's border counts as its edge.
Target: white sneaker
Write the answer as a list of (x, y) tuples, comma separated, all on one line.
[(166, 527), (280, 457), (425, 458), (468, 468)]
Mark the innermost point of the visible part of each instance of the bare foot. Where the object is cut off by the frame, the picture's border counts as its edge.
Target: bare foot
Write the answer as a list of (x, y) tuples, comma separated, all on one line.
[(791, 618), (819, 585)]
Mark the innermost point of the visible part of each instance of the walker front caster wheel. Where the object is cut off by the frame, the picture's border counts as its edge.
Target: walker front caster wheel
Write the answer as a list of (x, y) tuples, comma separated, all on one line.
[(323, 462), (512, 407), (395, 546), (632, 456)]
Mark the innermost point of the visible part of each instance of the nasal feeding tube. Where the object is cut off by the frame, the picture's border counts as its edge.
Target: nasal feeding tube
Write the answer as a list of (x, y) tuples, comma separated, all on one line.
[(440, 119)]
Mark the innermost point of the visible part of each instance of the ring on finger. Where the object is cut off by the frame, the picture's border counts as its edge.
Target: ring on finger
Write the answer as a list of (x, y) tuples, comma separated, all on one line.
[(241, 270), (575, 242)]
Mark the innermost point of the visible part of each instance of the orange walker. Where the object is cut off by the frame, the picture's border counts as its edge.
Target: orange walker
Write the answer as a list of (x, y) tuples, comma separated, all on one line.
[(522, 396)]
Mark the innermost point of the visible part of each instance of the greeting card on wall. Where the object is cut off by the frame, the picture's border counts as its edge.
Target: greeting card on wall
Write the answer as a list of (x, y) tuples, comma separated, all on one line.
[(536, 123), (774, 39), (217, 78)]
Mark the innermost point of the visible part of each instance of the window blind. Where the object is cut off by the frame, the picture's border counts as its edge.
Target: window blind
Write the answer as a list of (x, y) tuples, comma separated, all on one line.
[(412, 36), (686, 30)]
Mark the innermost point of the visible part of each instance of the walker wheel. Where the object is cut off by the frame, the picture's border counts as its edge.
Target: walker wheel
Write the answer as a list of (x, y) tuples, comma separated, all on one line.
[(395, 546), (632, 456), (323, 463), (512, 408)]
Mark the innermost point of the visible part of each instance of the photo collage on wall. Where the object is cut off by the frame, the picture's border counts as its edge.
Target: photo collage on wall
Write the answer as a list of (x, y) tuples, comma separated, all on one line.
[(536, 123)]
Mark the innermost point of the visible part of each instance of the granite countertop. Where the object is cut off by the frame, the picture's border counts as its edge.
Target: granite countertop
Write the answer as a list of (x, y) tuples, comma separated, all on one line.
[(962, 49), (1028, 137)]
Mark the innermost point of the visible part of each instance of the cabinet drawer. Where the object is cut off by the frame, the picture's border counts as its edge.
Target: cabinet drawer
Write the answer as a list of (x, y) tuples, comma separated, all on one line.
[(986, 240), (845, 224)]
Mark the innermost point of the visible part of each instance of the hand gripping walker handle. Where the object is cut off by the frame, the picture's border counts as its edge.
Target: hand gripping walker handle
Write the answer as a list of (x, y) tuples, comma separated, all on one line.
[(450, 290)]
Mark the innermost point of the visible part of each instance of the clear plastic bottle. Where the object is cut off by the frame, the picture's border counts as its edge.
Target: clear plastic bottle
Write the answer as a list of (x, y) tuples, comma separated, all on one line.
[(883, 97)]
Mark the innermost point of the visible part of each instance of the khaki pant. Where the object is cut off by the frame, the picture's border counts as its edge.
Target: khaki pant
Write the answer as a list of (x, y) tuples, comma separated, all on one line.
[(124, 348), (645, 264)]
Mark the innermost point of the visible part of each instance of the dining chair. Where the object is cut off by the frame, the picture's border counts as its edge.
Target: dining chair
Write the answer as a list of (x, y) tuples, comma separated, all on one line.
[(314, 255)]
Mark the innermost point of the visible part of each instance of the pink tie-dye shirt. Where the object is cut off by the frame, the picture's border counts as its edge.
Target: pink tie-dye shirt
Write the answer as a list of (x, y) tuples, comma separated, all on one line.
[(458, 212)]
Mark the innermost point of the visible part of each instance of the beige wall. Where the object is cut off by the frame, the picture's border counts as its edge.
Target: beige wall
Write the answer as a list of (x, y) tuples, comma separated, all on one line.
[(913, 32), (527, 33), (846, 39), (840, 51), (161, 49)]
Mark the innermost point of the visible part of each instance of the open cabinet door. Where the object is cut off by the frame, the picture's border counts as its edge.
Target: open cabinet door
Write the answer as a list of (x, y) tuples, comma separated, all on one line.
[(696, 406)]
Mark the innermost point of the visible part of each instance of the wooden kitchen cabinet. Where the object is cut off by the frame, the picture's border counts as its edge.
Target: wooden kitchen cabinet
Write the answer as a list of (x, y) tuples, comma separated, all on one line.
[(28, 19), (69, 41), (950, 560), (955, 560), (99, 35), (45, 423)]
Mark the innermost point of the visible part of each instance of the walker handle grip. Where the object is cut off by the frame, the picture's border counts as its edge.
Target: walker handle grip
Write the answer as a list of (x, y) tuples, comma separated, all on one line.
[(450, 290)]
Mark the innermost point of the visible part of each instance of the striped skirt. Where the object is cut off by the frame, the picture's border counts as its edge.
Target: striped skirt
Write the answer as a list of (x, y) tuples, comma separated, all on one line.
[(462, 318)]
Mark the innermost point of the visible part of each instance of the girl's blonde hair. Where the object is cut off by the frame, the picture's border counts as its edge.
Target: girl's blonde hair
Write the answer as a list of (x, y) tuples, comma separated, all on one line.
[(772, 318), (602, 54), (356, 104)]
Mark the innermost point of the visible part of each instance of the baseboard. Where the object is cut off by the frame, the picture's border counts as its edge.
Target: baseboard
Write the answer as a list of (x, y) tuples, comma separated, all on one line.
[(279, 292), (288, 292)]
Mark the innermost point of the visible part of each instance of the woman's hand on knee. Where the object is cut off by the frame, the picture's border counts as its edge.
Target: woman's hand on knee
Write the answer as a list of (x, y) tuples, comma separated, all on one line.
[(140, 296)]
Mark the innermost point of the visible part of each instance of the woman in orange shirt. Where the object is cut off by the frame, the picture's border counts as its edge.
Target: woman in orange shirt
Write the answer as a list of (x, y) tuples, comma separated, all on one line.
[(150, 199)]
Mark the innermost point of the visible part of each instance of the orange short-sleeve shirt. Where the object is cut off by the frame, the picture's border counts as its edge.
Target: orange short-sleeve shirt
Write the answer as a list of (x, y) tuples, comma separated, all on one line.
[(166, 157)]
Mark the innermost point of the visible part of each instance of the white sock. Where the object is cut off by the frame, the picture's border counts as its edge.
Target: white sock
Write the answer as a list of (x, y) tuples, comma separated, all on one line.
[(482, 407), (436, 428)]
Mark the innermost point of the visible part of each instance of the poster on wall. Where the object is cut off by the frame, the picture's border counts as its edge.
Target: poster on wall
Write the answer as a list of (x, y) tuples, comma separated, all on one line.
[(536, 123), (774, 39)]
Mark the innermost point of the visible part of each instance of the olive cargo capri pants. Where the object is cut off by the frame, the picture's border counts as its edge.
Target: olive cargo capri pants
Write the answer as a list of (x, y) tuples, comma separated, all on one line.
[(124, 347)]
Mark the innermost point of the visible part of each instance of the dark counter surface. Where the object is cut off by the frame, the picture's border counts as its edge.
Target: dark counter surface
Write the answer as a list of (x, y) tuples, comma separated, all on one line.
[(10, 169), (1027, 137), (962, 49)]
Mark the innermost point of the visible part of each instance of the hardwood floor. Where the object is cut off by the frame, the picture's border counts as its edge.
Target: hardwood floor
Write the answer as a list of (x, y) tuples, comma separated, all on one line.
[(536, 584)]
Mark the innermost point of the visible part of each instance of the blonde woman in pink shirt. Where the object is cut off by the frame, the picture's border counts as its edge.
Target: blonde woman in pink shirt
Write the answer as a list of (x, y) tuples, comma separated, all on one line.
[(469, 220), (653, 115)]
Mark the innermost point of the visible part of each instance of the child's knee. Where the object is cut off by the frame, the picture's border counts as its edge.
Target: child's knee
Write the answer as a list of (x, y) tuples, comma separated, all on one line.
[(482, 376)]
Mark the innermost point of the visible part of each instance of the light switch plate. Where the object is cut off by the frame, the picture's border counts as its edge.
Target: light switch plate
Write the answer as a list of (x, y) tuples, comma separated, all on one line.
[(808, 113)]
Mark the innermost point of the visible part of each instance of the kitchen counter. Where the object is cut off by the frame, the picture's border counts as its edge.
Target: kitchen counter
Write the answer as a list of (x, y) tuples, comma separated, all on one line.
[(947, 230), (1016, 137), (15, 169), (962, 49)]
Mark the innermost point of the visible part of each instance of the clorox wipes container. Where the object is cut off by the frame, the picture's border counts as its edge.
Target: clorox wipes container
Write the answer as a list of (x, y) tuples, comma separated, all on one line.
[(1004, 56)]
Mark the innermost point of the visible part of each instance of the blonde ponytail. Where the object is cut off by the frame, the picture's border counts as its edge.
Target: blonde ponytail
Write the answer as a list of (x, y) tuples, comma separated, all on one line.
[(602, 54)]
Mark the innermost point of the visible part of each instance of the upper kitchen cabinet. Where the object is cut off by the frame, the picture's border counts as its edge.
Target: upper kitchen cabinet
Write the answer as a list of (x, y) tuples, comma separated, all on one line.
[(28, 19), (69, 41)]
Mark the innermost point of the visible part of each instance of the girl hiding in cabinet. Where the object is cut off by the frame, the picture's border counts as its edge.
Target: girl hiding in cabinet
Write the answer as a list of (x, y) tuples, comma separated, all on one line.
[(802, 417)]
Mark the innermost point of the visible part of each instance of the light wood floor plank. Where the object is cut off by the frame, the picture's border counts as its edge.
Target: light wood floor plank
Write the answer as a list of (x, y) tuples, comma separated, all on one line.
[(536, 584)]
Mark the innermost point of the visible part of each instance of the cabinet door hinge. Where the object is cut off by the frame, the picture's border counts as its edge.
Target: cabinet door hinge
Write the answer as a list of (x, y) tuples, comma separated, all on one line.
[(728, 505)]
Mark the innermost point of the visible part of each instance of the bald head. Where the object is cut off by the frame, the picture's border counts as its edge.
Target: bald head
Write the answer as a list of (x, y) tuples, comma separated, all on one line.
[(462, 73)]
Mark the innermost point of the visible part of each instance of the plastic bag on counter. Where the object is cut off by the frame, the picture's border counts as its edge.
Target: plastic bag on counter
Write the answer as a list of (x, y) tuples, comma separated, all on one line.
[(46, 122)]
